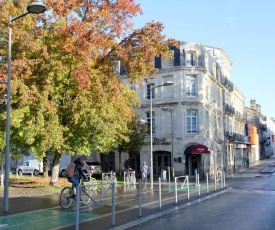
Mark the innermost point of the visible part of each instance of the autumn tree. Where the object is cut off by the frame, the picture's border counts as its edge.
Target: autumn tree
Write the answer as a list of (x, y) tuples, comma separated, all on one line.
[(66, 96), (136, 133)]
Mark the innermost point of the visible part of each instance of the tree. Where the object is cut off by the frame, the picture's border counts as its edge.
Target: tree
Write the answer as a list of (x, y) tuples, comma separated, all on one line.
[(135, 140), (66, 95)]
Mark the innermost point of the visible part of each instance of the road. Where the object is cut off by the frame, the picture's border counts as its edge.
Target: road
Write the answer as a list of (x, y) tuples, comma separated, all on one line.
[(249, 205)]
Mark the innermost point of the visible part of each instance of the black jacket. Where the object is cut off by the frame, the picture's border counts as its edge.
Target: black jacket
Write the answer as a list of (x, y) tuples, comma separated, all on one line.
[(78, 171)]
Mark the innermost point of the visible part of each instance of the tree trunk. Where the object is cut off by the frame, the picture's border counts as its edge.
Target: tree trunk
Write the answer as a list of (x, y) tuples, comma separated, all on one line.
[(55, 169), (45, 167)]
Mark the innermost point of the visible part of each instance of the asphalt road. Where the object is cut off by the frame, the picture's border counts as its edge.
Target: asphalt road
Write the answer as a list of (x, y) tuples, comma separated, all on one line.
[(249, 205)]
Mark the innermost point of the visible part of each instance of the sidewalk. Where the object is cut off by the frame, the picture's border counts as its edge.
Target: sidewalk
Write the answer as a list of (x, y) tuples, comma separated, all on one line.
[(44, 212)]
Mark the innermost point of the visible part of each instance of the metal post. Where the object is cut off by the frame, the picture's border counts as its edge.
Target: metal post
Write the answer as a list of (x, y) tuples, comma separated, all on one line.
[(207, 188), (175, 183), (151, 128), (172, 145), (159, 193), (169, 174), (215, 180), (224, 179), (33, 8), (77, 207), (196, 174), (199, 186), (188, 194), (139, 197), (7, 153), (151, 139), (113, 204)]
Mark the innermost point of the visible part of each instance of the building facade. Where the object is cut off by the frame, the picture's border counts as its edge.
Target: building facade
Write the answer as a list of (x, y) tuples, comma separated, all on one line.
[(202, 107)]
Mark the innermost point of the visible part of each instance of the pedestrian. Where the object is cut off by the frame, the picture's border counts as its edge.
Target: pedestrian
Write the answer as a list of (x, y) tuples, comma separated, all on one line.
[(127, 165), (145, 172), (78, 174), (247, 159)]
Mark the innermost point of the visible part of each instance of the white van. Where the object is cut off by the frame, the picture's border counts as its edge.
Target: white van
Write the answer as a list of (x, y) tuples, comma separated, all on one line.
[(34, 167)]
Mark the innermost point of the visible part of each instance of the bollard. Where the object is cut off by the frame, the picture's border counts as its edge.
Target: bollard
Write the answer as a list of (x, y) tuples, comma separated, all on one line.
[(187, 178), (139, 197), (207, 188), (77, 207), (169, 174), (199, 186), (176, 195), (215, 180), (113, 204), (159, 193), (224, 179)]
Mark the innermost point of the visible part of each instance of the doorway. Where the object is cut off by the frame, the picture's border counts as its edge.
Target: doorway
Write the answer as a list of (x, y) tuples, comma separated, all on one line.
[(161, 161), (193, 163)]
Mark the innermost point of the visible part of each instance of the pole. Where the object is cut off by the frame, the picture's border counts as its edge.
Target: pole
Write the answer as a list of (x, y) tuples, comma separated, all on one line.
[(139, 199), (7, 153), (151, 139), (172, 153)]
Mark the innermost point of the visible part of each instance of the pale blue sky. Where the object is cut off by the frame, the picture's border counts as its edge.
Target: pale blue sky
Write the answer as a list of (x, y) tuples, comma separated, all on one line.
[(244, 29)]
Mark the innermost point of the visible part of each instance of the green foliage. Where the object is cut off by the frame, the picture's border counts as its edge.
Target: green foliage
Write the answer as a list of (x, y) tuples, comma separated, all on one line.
[(65, 93)]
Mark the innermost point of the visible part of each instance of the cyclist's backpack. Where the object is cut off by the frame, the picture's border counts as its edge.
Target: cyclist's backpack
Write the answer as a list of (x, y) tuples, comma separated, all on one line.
[(69, 172)]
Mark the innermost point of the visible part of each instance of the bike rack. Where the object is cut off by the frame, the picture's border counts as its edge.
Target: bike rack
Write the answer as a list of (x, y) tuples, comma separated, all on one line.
[(178, 183), (130, 177)]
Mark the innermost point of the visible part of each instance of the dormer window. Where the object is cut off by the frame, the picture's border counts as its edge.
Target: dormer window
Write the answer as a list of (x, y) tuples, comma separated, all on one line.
[(190, 59)]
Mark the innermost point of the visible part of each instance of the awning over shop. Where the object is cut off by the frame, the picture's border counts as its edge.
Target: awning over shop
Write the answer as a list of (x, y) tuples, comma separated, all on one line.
[(197, 149)]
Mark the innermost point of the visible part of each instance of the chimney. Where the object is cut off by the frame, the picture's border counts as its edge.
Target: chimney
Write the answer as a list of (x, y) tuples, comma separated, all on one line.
[(253, 104)]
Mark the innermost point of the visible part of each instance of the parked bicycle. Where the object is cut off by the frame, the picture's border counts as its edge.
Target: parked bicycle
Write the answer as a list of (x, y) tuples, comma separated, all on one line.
[(67, 195)]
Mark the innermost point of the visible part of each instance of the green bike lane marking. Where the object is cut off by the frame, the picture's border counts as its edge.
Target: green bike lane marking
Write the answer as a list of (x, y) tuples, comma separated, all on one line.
[(42, 219)]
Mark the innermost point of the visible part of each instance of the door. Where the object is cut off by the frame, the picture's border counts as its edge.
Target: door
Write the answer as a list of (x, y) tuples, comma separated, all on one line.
[(193, 163), (161, 161)]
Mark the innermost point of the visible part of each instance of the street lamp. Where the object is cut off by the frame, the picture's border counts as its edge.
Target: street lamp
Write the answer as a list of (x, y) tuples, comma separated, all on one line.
[(172, 141), (151, 129), (33, 8)]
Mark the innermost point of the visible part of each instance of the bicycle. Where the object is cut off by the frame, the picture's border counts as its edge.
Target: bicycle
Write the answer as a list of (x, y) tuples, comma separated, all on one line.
[(67, 195)]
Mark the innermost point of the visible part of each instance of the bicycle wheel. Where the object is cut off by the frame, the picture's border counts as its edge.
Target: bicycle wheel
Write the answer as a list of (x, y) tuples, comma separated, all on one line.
[(65, 197), (84, 195)]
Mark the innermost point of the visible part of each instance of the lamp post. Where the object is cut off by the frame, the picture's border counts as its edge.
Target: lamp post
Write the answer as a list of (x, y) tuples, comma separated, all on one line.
[(151, 129), (33, 8), (172, 141)]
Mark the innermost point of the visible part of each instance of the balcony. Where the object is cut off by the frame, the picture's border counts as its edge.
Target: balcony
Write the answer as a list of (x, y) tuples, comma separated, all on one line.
[(263, 139), (190, 63), (228, 109), (228, 84), (263, 127), (239, 116), (236, 137)]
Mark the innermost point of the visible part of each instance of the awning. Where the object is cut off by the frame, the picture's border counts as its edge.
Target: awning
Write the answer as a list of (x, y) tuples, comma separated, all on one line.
[(197, 149)]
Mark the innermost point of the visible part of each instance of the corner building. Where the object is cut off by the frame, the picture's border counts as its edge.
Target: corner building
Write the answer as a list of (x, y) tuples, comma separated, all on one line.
[(198, 122)]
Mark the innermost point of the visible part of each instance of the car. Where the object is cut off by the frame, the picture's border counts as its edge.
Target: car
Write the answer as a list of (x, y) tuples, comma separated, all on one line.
[(92, 168), (34, 167)]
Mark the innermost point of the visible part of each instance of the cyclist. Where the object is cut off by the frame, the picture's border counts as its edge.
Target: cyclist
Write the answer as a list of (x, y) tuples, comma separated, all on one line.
[(78, 174)]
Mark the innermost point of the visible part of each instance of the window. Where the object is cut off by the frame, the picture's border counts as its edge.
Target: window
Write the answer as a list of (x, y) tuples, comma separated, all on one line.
[(133, 86), (192, 122), (190, 59), (191, 86), (149, 122), (148, 96)]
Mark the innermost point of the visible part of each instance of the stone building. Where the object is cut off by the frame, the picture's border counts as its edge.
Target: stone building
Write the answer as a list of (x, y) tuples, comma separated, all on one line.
[(201, 109)]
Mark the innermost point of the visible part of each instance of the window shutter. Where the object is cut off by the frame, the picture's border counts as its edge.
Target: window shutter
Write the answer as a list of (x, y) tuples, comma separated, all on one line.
[(158, 62)]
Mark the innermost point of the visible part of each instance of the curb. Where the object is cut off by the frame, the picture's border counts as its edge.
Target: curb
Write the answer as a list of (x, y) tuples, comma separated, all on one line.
[(168, 211)]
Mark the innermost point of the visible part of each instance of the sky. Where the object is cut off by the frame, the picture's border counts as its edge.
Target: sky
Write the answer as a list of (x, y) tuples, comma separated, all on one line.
[(244, 29)]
